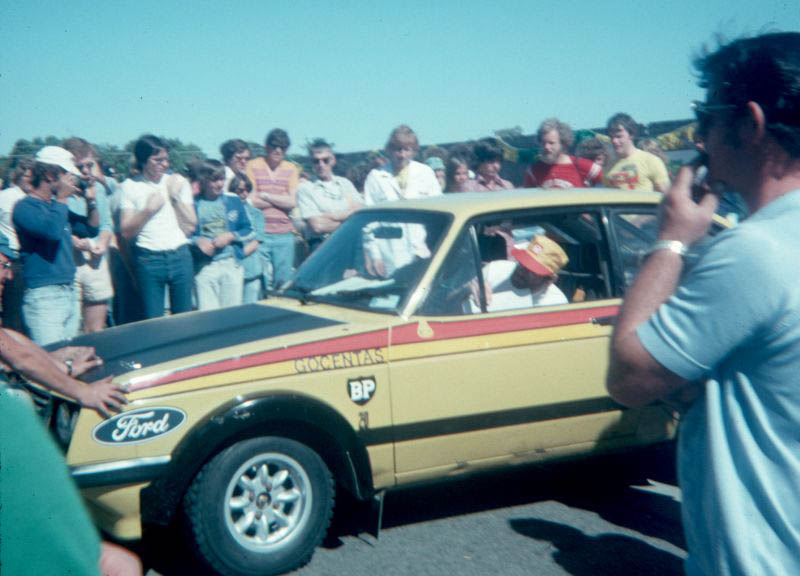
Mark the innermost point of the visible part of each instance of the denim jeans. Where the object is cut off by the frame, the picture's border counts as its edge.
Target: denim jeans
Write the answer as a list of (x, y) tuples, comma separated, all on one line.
[(219, 284), (50, 313), (252, 290), (157, 271), (277, 250)]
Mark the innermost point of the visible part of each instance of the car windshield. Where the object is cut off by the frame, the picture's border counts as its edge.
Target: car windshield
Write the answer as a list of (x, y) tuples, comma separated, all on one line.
[(374, 261)]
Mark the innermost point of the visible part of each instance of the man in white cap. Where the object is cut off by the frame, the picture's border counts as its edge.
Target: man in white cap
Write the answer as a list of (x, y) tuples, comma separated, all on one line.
[(48, 269), (526, 281)]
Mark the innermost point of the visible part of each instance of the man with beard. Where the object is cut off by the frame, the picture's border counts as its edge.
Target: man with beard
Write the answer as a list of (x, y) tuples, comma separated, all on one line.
[(555, 168)]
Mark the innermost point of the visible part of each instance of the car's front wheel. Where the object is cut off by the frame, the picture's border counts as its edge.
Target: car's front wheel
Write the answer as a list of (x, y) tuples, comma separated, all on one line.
[(260, 506)]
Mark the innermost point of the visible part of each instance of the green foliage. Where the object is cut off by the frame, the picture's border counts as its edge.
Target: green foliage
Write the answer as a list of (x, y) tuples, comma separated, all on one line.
[(115, 160)]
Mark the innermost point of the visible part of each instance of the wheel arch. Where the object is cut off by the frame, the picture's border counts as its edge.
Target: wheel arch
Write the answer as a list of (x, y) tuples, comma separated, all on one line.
[(288, 415)]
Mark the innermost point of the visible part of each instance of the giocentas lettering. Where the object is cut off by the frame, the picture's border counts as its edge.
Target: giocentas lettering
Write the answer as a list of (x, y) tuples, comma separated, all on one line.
[(339, 360), (139, 425)]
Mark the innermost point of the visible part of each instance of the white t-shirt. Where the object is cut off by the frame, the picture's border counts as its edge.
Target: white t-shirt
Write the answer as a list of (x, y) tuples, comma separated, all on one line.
[(382, 186), (505, 296), (8, 198), (162, 231)]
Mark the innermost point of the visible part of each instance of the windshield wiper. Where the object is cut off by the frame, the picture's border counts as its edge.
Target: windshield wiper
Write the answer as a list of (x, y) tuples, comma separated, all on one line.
[(302, 292), (361, 293)]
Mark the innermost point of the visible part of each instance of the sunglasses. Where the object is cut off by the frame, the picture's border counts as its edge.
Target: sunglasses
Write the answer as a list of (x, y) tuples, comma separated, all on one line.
[(704, 112), (327, 160)]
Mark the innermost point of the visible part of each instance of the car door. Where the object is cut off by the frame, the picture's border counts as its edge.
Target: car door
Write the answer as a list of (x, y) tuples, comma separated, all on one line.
[(480, 389)]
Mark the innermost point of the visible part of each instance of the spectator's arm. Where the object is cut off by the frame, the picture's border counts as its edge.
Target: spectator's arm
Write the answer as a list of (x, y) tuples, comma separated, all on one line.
[(660, 175), (244, 231), (181, 198), (250, 247), (285, 202), (35, 364), (324, 223), (45, 221), (132, 221), (635, 378)]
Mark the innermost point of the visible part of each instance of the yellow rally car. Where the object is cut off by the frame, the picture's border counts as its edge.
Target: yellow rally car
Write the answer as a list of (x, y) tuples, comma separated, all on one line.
[(379, 365)]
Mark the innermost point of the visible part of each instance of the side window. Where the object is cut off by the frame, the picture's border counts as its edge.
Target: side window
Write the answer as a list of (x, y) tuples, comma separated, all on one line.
[(527, 260), (455, 281), (635, 233)]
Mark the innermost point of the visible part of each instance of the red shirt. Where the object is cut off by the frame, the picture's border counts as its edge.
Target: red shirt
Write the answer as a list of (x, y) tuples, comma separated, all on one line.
[(578, 173)]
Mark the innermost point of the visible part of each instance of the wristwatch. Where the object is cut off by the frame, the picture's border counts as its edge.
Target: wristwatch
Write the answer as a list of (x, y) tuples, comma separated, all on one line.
[(675, 246)]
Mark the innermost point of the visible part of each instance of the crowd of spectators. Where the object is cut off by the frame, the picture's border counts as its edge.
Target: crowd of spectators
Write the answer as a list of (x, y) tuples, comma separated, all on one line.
[(87, 251)]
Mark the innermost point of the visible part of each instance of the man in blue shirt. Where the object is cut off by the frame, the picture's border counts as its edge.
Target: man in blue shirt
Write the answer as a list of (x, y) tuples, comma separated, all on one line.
[(48, 268), (722, 340)]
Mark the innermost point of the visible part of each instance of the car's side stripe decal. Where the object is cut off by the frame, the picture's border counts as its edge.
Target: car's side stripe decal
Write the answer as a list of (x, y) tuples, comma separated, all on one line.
[(410, 333), (486, 421), (375, 339)]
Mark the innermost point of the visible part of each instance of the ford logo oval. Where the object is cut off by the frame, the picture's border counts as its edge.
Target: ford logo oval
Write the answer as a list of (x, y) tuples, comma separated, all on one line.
[(138, 426)]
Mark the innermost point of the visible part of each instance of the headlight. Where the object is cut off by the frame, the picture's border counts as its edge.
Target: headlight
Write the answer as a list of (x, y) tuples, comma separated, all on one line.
[(66, 417)]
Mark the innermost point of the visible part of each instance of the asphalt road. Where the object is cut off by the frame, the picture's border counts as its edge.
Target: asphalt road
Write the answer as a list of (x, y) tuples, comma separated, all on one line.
[(608, 515)]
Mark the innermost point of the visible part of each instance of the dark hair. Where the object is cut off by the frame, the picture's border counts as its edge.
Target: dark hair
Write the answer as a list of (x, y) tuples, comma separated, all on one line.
[(146, 146), (592, 148), (317, 144), (625, 121), (207, 170), (278, 138), (232, 147), (41, 171), (23, 165), (763, 69), (357, 174), (236, 181), (487, 150)]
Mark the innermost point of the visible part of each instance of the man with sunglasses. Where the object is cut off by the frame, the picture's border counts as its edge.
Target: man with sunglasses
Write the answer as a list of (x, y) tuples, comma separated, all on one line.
[(327, 202), (721, 340)]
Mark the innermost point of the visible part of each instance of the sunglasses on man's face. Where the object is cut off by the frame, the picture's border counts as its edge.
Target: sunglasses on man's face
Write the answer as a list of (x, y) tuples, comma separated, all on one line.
[(327, 160), (704, 113)]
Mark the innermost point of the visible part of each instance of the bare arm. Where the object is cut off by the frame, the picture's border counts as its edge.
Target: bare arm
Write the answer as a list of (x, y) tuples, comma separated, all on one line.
[(635, 378), (283, 201), (37, 365), (187, 219), (184, 211), (131, 221), (250, 247)]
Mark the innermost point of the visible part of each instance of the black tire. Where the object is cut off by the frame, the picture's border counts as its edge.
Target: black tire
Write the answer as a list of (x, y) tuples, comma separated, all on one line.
[(261, 506)]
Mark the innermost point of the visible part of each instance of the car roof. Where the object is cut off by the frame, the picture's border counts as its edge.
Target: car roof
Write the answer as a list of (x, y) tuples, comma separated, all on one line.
[(468, 203)]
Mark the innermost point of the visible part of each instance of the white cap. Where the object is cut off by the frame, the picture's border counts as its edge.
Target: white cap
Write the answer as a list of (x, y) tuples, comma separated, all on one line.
[(58, 156)]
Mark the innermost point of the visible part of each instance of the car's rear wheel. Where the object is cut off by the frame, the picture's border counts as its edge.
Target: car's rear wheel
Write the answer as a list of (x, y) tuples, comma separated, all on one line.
[(260, 507)]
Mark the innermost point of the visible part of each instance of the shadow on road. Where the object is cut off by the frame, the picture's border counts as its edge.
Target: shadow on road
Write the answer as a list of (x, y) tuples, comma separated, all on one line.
[(612, 554), (600, 484)]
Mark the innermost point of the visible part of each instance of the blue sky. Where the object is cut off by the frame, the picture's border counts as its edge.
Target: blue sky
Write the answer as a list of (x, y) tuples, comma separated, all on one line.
[(207, 71)]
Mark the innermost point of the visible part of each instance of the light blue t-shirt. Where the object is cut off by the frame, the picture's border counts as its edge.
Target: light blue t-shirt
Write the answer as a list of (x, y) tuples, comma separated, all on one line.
[(735, 323), (78, 205)]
